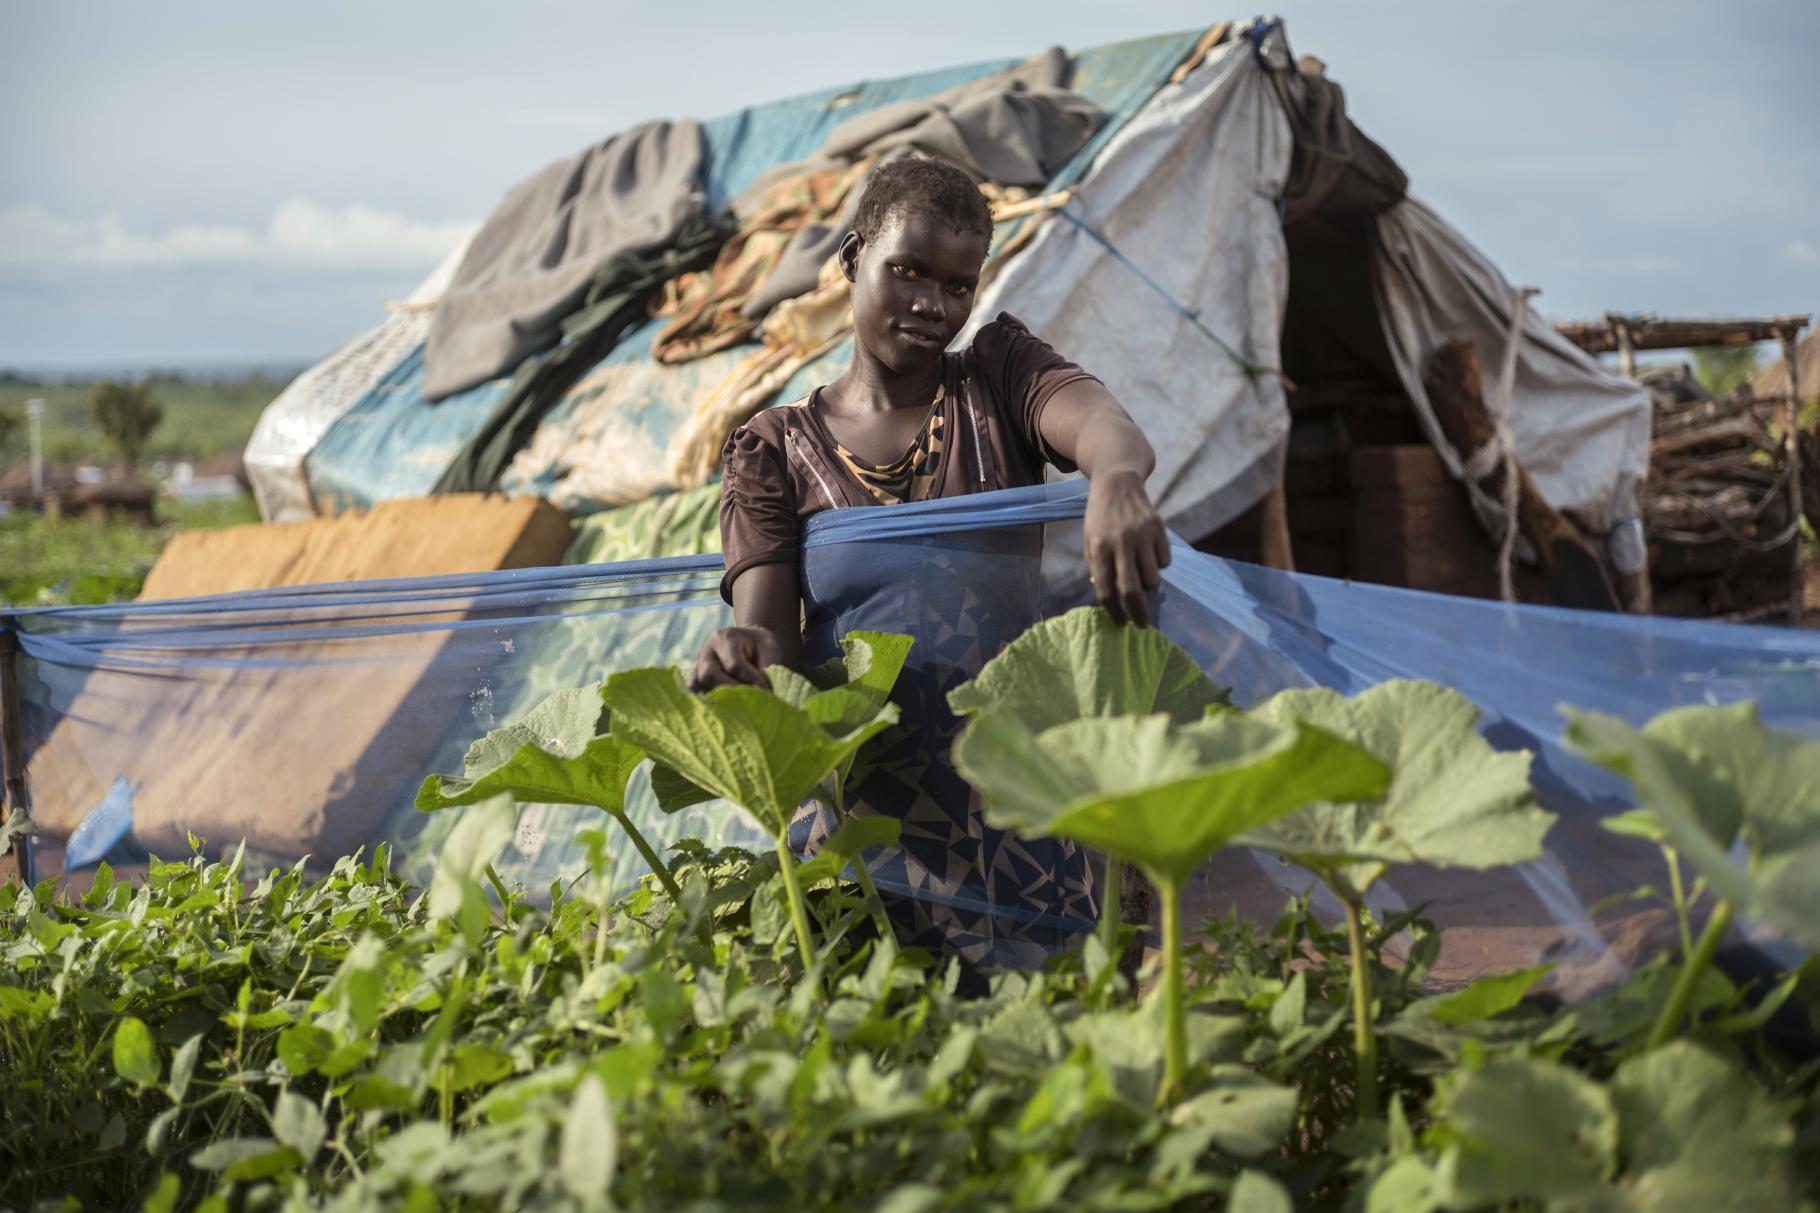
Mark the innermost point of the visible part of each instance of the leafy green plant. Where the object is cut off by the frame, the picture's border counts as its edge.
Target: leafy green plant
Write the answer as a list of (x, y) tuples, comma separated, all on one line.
[(761, 750), (1452, 802), (1162, 795), (560, 753), (1080, 665), (1712, 781)]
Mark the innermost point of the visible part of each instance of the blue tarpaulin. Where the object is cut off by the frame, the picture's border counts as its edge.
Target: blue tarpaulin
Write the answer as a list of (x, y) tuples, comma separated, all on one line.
[(303, 719)]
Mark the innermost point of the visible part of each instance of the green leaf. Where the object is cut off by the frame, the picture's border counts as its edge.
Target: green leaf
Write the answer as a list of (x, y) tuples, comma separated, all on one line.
[(299, 1124), (480, 834), (844, 846), (1483, 999), (471, 1065), (1081, 665), (163, 1198), (561, 725), (741, 744), (1244, 1114), (183, 1065), (1527, 1128), (555, 755), (135, 1057), (1163, 796), (869, 663), (1713, 777), (245, 1158), (303, 1047), (1453, 801), (1697, 1134), (590, 1142), (1256, 1192)]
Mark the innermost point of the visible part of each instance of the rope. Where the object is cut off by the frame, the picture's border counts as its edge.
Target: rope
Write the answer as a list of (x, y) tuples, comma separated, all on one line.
[(1192, 315), (1502, 446)]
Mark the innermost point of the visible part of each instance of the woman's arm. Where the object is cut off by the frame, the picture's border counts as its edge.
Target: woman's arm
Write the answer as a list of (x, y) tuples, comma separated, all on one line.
[(1126, 545), (767, 630)]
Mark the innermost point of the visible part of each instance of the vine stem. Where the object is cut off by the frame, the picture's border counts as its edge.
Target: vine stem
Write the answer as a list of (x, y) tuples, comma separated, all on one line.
[(799, 912), (1175, 1056), (661, 870), (1365, 1037), (1682, 996), (658, 867), (1109, 910), (1680, 896)]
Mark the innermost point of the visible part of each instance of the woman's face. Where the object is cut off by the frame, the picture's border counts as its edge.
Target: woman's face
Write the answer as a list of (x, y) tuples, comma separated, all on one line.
[(912, 287)]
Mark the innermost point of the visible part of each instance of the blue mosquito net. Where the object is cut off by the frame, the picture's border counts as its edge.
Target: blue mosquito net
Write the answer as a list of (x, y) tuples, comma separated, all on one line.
[(301, 721)]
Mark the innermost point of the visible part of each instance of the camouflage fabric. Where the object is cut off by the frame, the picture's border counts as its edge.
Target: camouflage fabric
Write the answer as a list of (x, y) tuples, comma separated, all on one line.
[(672, 524), (704, 307)]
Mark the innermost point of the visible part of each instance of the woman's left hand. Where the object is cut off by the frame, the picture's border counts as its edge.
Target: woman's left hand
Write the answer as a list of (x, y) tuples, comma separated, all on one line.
[(1126, 545)]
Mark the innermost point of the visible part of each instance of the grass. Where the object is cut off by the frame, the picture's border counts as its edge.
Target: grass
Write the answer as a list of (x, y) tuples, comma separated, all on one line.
[(202, 417), (80, 560)]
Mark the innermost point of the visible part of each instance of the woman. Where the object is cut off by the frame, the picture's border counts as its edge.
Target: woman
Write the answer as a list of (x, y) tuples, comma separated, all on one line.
[(909, 421)]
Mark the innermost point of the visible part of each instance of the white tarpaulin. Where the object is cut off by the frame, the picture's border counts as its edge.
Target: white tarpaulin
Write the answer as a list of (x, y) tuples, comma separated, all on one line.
[(1581, 433), (1187, 193), (302, 413)]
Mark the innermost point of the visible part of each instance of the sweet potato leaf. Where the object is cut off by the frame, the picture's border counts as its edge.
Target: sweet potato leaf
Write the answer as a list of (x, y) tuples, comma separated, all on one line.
[(1453, 801), (1082, 664), (1161, 795), (1716, 777)]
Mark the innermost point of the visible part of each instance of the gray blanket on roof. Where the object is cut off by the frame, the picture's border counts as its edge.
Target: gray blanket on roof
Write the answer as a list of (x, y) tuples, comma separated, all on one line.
[(1014, 127), (534, 256)]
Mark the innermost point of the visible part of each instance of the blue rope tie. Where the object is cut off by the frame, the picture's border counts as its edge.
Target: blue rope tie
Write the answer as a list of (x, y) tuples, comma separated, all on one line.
[(1192, 315)]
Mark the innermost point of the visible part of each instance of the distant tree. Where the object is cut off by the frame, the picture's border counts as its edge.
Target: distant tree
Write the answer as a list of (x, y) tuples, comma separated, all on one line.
[(1721, 368), (126, 414), (12, 424)]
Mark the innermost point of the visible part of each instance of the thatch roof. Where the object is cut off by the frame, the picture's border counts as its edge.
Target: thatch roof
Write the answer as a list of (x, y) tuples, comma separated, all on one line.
[(1773, 380)]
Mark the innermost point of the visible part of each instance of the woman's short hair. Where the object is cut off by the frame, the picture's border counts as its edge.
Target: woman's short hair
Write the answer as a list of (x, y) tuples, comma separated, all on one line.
[(917, 183)]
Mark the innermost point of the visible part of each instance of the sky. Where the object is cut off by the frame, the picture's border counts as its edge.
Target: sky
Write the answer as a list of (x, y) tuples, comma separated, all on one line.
[(199, 182)]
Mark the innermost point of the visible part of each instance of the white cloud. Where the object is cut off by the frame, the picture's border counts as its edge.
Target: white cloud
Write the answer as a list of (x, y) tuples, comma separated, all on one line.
[(300, 233), (1801, 252)]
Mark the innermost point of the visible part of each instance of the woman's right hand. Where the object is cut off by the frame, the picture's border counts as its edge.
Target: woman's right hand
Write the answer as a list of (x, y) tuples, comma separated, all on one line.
[(736, 657)]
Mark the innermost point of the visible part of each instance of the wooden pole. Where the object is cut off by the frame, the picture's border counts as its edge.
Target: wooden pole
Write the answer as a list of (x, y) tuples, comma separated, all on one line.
[(1627, 352), (1791, 440), (12, 748), (1275, 550)]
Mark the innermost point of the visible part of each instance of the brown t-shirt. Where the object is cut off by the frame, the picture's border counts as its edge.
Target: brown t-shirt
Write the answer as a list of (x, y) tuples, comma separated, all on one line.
[(983, 433)]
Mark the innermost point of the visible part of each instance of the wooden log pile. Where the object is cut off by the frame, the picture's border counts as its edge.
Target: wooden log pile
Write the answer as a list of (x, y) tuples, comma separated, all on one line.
[(1716, 504)]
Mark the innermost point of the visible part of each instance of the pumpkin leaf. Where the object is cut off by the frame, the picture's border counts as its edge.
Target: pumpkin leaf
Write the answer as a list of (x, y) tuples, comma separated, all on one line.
[(869, 664), (1161, 795), (561, 724), (554, 755), (1714, 778), (1677, 1129), (1453, 801), (742, 744), (1082, 664), (1527, 1128)]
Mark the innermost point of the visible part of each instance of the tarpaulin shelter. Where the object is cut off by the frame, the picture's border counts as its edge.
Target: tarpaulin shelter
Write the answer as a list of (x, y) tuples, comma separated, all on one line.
[(1227, 231)]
